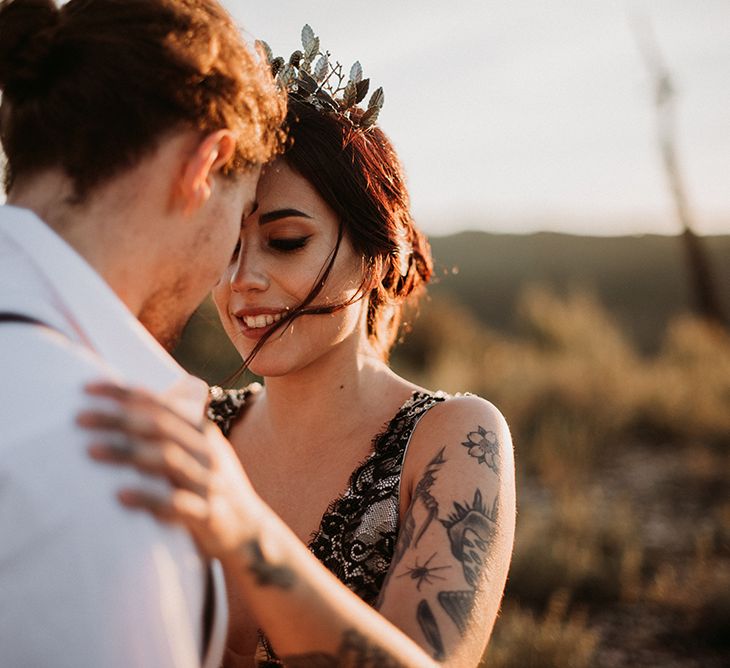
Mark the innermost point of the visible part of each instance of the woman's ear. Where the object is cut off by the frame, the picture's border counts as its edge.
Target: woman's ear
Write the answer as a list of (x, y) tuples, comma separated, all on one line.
[(208, 157)]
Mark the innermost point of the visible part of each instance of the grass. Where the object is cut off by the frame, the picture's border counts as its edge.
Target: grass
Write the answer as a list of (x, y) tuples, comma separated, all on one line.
[(581, 542), (555, 639)]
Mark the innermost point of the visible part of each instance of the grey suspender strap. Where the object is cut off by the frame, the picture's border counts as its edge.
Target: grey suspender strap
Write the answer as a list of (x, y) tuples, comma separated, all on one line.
[(208, 610), (17, 317)]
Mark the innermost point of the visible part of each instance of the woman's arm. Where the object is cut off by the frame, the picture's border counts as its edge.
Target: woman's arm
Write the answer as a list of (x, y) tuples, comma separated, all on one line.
[(445, 582)]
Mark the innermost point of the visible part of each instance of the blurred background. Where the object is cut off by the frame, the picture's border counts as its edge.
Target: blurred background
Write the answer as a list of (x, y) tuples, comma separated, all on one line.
[(570, 161)]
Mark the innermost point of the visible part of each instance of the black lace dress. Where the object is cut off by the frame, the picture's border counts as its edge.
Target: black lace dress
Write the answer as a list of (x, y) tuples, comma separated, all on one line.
[(357, 534)]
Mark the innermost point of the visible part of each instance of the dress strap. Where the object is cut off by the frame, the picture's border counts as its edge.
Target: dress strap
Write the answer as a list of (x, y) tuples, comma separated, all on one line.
[(421, 403)]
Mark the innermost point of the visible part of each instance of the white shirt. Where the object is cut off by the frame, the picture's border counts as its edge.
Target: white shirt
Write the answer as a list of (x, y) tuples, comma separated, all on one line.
[(84, 581)]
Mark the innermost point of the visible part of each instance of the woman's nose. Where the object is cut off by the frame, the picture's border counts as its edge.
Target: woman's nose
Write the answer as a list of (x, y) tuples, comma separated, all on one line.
[(250, 272)]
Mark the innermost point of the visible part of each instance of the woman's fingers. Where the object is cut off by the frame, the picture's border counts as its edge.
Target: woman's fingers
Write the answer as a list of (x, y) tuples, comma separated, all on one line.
[(133, 423), (112, 391), (150, 425), (179, 506), (163, 459), (140, 398)]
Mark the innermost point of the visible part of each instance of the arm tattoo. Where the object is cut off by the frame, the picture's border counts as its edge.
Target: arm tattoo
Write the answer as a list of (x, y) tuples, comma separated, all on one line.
[(470, 529), (458, 605), (424, 573), (422, 496), (430, 629), (355, 651), (483, 445), (267, 573)]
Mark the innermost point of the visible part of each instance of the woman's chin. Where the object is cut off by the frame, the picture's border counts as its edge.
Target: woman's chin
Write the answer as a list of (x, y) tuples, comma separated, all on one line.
[(265, 363)]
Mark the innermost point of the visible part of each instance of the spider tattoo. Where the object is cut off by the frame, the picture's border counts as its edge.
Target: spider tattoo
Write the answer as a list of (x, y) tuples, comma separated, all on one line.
[(423, 573)]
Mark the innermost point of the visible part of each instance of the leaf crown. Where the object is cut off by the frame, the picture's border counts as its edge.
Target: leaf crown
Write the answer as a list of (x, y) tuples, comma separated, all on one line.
[(323, 84)]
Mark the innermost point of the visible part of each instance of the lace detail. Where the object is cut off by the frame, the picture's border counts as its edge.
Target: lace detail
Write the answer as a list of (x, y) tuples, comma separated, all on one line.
[(358, 531), (224, 406)]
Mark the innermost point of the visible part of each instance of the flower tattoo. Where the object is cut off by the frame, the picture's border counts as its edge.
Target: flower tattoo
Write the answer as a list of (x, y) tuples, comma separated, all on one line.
[(483, 445)]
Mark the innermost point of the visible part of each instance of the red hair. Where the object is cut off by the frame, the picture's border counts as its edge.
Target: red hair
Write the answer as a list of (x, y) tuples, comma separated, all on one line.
[(92, 86)]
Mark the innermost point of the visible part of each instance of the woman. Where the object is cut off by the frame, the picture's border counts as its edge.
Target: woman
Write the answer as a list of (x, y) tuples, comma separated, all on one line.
[(420, 530)]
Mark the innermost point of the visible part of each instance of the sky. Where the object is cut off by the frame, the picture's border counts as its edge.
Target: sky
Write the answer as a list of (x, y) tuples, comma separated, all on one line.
[(522, 115)]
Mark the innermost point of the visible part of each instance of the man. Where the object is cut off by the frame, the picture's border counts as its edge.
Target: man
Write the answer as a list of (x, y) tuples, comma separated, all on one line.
[(133, 132)]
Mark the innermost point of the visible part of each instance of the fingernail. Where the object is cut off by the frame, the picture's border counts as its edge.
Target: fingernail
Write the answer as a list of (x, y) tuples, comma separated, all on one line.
[(85, 419), (126, 496), (97, 451)]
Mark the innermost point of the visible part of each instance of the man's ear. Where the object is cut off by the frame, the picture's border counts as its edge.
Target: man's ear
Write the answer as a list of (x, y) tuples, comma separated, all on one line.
[(208, 157)]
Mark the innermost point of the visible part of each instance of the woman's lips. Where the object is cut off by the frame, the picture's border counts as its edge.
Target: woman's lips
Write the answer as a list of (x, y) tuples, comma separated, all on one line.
[(255, 323)]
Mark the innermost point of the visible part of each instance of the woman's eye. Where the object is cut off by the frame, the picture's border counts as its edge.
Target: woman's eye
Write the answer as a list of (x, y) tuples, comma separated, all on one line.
[(286, 245)]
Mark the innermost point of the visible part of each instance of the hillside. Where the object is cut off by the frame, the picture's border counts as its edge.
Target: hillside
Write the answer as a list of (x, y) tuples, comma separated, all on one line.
[(641, 280)]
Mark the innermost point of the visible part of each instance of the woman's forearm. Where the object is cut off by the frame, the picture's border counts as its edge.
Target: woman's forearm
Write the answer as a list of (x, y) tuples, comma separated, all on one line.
[(309, 616)]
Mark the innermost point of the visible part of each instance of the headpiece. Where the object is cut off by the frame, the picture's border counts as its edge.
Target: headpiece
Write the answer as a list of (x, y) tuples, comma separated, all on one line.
[(322, 84)]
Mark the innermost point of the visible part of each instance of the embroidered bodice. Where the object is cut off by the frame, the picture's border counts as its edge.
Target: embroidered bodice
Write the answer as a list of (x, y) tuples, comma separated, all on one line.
[(357, 534)]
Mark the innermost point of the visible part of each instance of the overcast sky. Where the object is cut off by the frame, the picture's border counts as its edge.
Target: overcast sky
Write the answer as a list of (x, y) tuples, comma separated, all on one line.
[(515, 115)]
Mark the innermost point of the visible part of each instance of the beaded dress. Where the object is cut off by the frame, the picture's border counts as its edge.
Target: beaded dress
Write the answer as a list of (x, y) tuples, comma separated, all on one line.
[(357, 534)]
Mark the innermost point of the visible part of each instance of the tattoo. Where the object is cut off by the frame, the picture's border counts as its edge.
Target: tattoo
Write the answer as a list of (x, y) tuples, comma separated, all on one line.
[(458, 605), (355, 651), (266, 573), (470, 529), (423, 494), (424, 573), (483, 445), (430, 629)]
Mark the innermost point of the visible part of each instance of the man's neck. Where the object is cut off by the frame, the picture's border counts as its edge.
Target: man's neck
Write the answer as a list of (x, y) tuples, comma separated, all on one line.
[(98, 229)]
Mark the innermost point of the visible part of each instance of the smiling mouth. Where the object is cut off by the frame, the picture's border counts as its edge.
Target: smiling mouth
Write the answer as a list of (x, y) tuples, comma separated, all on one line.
[(261, 321)]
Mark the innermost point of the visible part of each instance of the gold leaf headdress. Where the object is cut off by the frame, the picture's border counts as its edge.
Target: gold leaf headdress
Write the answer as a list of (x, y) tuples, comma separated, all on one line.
[(322, 84)]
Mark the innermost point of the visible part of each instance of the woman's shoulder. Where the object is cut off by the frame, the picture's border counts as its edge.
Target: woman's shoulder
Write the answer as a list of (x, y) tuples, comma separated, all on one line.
[(464, 427), (449, 411), (225, 405), (465, 406)]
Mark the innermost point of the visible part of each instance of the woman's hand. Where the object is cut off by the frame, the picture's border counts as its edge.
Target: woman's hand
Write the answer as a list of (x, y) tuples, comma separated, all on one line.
[(211, 495)]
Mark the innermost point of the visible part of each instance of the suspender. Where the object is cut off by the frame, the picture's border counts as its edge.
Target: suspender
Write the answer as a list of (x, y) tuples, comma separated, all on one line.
[(17, 317)]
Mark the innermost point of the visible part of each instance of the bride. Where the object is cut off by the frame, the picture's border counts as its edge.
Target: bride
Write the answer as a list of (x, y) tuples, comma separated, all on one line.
[(360, 519)]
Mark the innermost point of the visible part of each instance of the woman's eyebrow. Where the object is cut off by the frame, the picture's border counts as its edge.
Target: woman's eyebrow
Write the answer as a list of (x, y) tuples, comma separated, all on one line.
[(281, 213)]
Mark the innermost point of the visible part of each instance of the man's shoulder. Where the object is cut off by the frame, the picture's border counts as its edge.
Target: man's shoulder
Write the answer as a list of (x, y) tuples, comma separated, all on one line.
[(43, 377), (31, 352), (53, 489)]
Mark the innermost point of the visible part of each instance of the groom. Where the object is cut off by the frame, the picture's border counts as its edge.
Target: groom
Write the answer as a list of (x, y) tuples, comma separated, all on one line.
[(132, 133)]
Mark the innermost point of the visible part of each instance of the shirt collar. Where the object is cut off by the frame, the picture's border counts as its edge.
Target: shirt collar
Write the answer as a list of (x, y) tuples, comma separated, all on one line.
[(42, 276)]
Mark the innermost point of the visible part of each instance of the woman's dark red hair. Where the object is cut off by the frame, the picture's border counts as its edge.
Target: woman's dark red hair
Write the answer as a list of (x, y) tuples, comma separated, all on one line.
[(359, 175)]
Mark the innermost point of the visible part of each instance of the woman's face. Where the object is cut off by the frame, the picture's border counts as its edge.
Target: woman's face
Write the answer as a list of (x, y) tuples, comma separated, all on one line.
[(285, 245)]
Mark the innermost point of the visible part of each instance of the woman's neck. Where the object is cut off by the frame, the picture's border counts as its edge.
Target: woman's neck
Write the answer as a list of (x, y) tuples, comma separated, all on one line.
[(327, 396)]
